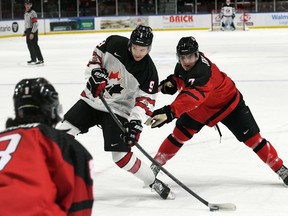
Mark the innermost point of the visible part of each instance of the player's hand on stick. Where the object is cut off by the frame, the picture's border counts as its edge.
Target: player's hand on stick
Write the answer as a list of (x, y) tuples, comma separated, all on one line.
[(133, 131), (160, 117), (97, 81)]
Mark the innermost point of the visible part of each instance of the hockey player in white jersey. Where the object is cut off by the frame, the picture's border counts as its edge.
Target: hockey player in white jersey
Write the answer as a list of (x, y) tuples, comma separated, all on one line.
[(122, 69), (227, 16)]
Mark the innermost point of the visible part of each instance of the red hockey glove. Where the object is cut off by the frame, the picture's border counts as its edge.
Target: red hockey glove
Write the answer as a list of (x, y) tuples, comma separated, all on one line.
[(97, 81), (162, 116), (133, 128), (168, 86)]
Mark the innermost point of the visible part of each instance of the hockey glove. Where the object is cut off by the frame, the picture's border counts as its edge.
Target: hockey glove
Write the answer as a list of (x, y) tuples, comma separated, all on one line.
[(97, 81), (133, 128), (168, 86), (162, 116)]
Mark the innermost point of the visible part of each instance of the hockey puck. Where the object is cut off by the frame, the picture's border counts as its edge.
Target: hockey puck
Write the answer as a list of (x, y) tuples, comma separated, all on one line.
[(214, 208)]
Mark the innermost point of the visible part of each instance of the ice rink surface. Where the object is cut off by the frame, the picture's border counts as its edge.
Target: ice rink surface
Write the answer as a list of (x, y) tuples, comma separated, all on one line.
[(223, 172)]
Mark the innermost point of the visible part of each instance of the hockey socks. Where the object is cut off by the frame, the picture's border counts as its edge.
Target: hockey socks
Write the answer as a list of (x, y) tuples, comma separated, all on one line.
[(168, 149), (129, 162), (265, 151)]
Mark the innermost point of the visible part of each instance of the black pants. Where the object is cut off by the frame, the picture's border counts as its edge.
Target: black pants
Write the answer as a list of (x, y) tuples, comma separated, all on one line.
[(83, 116), (34, 49), (240, 122)]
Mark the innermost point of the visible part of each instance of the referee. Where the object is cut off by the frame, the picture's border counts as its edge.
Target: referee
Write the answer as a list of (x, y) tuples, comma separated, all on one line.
[(31, 32)]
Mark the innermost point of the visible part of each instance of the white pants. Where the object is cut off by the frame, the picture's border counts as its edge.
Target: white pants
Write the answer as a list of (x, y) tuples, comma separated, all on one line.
[(227, 22)]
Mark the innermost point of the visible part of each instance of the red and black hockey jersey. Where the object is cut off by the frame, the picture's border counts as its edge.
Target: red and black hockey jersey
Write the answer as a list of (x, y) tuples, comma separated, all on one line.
[(43, 171), (205, 93)]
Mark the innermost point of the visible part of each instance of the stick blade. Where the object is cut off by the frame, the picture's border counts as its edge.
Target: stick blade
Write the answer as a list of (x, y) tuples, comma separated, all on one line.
[(222, 207)]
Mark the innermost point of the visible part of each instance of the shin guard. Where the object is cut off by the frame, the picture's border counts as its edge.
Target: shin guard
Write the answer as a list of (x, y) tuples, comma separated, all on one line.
[(265, 151), (167, 150), (173, 143), (129, 162)]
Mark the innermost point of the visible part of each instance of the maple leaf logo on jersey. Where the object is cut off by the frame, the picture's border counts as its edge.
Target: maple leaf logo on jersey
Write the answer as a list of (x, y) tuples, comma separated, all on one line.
[(114, 75), (114, 89)]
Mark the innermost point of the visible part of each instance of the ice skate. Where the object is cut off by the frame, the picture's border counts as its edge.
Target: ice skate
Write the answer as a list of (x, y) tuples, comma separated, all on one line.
[(41, 62), (155, 169), (162, 189), (283, 174), (31, 62)]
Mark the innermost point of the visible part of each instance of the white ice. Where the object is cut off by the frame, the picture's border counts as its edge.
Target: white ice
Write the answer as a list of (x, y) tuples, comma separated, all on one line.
[(218, 172)]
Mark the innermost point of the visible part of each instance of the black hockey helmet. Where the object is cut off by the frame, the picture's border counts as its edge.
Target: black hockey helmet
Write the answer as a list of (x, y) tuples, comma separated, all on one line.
[(37, 97), (141, 36), (187, 45), (27, 2)]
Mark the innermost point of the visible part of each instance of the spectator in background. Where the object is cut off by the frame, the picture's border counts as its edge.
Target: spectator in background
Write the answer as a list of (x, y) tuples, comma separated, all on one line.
[(180, 6), (31, 32), (52, 8), (85, 9)]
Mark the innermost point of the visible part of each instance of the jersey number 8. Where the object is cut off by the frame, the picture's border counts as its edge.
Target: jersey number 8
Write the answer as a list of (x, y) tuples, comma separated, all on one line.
[(5, 155)]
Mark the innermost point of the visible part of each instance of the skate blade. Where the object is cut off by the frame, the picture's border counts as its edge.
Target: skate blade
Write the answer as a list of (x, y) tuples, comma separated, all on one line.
[(171, 196)]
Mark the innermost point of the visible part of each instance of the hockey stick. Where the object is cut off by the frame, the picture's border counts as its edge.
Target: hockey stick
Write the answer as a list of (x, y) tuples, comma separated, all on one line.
[(212, 207)]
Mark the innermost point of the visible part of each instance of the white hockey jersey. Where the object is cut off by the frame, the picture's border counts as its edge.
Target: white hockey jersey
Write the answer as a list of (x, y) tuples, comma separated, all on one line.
[(132, 86), (228, 10)]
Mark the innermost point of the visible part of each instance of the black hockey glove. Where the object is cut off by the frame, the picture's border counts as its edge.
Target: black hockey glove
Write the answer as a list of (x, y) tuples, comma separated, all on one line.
[(97, 81), (168, 86), (162, 116), (133, 128)]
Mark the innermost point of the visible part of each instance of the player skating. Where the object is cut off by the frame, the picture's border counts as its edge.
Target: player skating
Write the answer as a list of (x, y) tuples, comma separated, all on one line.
[(124, 71), (207, 96)]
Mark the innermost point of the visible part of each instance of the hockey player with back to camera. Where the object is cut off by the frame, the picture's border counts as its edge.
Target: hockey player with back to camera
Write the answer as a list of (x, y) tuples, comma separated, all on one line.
[(207, 96), (123, 70), (43, 171)]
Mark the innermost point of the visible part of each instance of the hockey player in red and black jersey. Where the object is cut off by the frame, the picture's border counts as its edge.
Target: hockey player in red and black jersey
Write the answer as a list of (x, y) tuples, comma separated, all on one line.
[(43, 171), (123, 70), (207, 96)]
